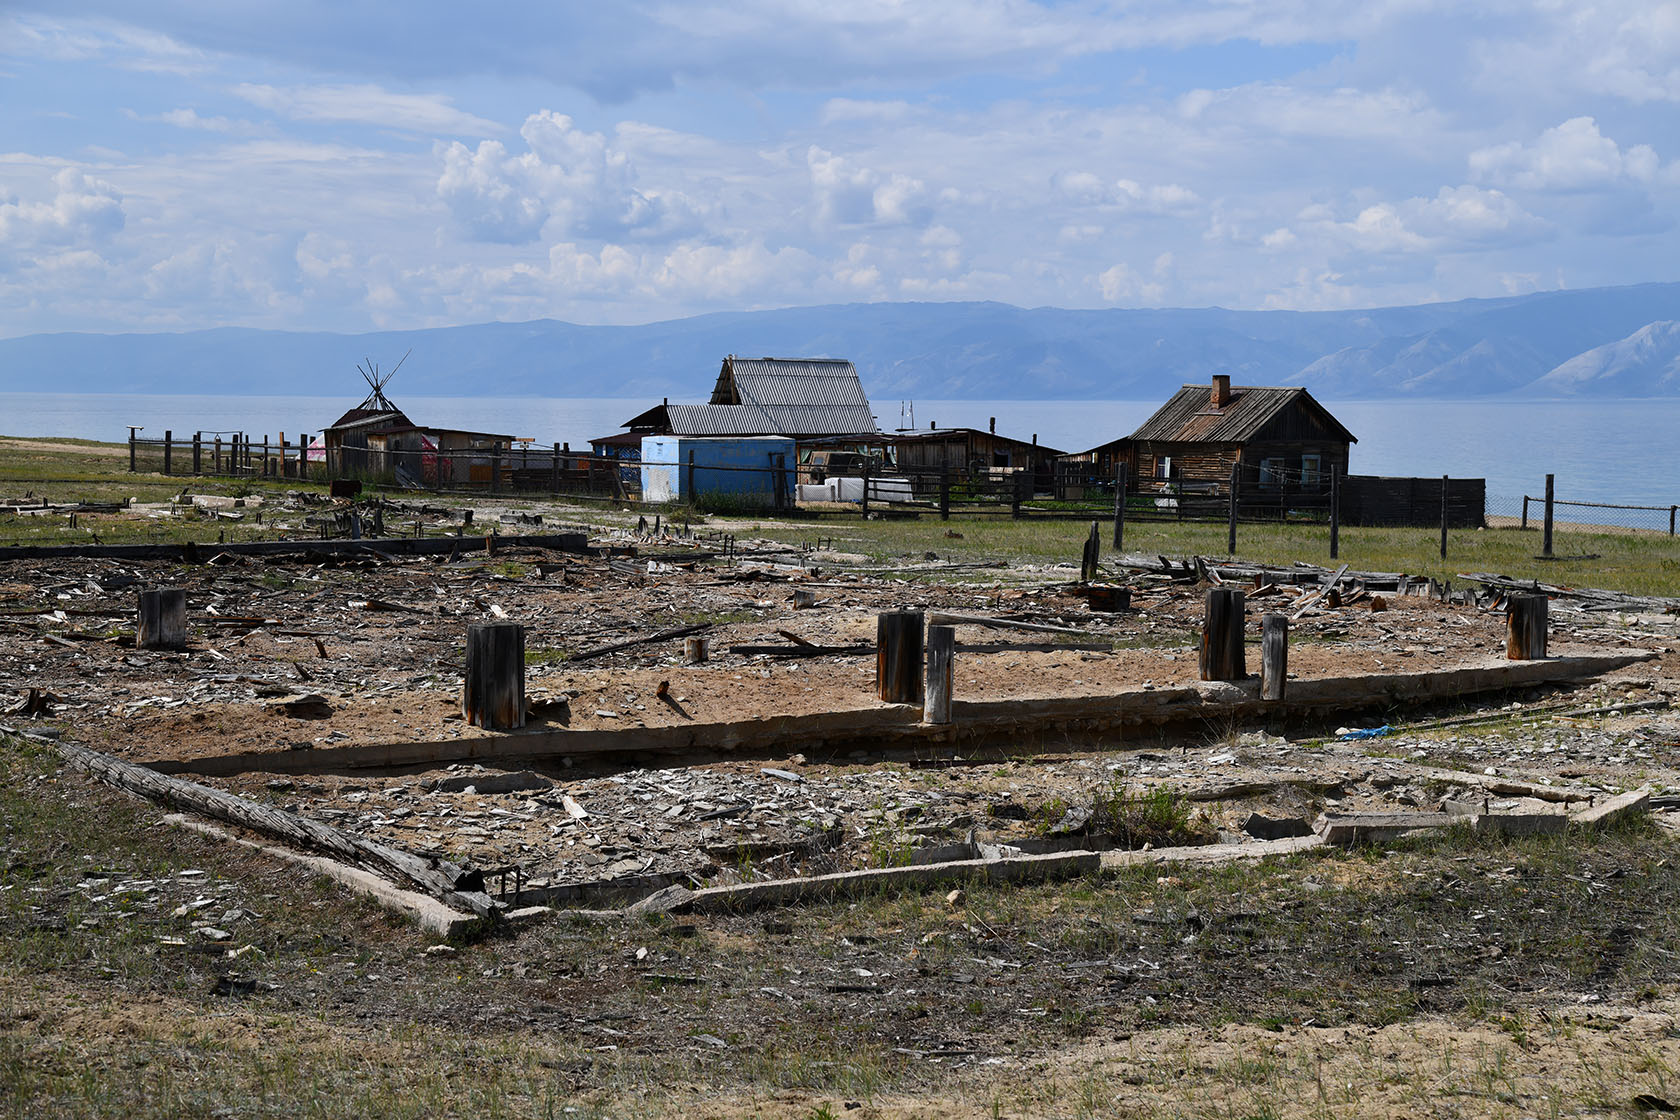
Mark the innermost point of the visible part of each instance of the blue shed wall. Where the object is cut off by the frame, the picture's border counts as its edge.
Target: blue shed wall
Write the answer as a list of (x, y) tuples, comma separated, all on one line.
[(739, 466)]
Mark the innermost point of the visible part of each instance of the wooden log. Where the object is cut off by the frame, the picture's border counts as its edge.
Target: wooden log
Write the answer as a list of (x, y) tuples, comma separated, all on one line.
[(1331, 586), (942, 618), (493, 693), (438, 878), (1527, 625), (696, 649), (661, 636), (898, 656), (1222, 636), (162, 620), (1274, 656), (941, 648)]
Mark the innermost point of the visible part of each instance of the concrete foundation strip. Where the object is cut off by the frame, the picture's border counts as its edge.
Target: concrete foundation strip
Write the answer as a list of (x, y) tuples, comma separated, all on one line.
[(899, 726)]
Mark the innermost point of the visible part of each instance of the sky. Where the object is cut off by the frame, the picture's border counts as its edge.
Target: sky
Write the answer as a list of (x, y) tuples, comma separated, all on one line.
[(353, 166)]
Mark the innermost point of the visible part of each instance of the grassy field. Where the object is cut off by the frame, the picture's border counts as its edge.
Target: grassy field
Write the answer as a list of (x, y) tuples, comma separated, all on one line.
[(1646, 563)]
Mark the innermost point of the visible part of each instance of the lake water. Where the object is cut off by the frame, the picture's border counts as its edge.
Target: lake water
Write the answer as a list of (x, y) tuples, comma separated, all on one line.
[(1607, 451)]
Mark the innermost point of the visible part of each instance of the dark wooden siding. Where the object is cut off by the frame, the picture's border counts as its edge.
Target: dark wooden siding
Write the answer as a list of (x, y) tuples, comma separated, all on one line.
[(1373, 500)]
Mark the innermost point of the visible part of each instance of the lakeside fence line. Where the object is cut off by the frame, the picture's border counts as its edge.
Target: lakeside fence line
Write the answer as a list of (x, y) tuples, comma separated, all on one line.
[(1251, 493)]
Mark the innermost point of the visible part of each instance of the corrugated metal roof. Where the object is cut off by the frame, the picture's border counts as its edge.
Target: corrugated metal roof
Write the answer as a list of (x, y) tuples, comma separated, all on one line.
[(786, 396), (1189, 415), (362, 417)]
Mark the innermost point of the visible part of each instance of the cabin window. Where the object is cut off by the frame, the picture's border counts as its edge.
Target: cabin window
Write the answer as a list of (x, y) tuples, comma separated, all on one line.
[(1271, 474), (1312, 470), (1163, 466)]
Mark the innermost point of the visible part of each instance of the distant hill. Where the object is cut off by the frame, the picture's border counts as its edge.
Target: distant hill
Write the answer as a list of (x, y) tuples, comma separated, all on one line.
[(1603, 342)]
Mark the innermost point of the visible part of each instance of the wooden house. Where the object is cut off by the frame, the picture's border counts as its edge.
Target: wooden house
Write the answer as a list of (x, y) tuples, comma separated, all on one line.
[(1281, 438), (969, 452)]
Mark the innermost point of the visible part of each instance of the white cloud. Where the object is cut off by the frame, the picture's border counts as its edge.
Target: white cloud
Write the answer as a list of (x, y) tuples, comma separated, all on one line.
[(1455, 219), (1572, 156), (367, 104), (81, 213), (1086, 189), (571, 178), (849, 194)]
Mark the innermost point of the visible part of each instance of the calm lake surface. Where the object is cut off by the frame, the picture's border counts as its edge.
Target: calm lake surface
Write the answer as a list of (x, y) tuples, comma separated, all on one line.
[(1607, 451)]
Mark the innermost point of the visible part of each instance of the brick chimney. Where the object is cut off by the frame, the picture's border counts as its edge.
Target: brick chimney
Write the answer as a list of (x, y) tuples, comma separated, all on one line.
[(1221, 390)]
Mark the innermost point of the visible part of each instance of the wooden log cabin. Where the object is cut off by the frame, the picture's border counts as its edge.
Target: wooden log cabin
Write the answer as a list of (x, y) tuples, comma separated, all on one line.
[(1281, 437), (967, 452)]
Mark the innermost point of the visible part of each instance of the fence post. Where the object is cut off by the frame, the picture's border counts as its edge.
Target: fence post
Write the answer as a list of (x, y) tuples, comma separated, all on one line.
[(1120, 510), (495, 469), (1335, 511), (1443, 517), (1671, 512), (1231, 520), (1015, 496), (1180, 502), (866, 489), (1091, 556), (557, 468), (1525, 511), (168, 449), (198, 452), (1546, 539), (944, 493), (131, 432)]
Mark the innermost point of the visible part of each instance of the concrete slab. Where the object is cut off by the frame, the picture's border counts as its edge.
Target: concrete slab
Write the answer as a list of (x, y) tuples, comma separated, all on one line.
[(1611, 810), (1356, 828)]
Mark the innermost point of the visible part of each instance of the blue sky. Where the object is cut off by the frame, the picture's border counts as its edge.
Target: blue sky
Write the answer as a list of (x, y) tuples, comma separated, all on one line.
[(318, 165)]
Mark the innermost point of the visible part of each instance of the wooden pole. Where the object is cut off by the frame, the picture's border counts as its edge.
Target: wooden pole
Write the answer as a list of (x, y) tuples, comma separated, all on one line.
[(1222, 636), (1335, 511), (941, 647), (1672, 510), (557, 468), (866, 489), (1525, 512), (493, 694), (1444, 491), (1527, 619), (162, 622), (944, 493), (1274, 655), (1120, 510), (168, 449), (198, 453), (898, 656), (131, 435), (1231, 518), (1546, 537), (1092, 554)]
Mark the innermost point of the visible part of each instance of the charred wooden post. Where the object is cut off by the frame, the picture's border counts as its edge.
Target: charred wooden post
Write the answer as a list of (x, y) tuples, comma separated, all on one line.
[(1231, 517), (1222, 636), (1092, 555), (1527, 620), (556, 474), (162, 622), (804, 600), (168, 450), (1274, 655), (216, 456), (1525, 512), (1015, 496), (1120, 510), (1445, 488), (493, 695), (898, 656), (941, 647), (133, 433), (198, 453), (495, 470), (1546, 537), (696, 649), (1672, 510), (1335, 511)]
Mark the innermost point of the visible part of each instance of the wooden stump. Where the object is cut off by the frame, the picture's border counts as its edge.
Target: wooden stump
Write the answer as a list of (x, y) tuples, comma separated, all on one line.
[(1092, 555), (898, 656), (1222, 636), (493, 695), (1525, 639), (696, 650), (941, 647), (1274, 655), (804, 600), (163, 619)]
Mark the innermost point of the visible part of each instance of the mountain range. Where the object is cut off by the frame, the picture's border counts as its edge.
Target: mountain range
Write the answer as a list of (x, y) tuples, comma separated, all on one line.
[(1619, 342)]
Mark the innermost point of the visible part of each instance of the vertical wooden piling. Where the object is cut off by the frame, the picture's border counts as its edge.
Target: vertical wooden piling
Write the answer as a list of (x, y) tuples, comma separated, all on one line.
[(168, 449), (1546, 536), (696, 649), (1527, 617), (198, 453), (162, 622), (1222, 636), (941, 648), (493, 692), (1274, 655), (804, 600), (898, 656), (1092, 555)]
